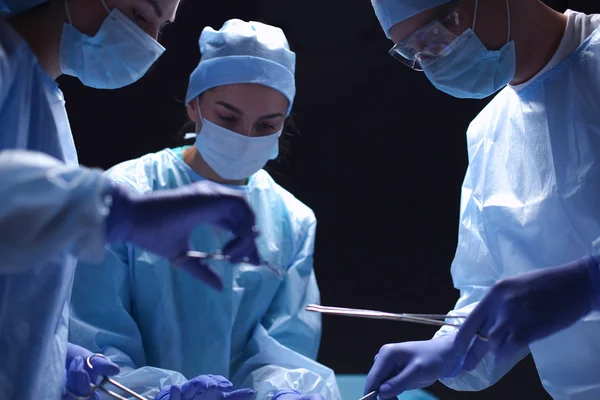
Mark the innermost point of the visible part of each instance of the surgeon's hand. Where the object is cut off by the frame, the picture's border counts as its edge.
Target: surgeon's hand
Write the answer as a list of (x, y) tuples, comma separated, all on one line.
[(161, 222), (205, 387), (289, 394), (78, 374), (529, 307), (413, 365)]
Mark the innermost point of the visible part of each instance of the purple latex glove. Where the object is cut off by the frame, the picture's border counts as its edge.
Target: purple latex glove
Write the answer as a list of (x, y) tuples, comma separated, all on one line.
[(529, 307), (79, 377), (413, 365), (289, 394), (205, 387), (161, 222)]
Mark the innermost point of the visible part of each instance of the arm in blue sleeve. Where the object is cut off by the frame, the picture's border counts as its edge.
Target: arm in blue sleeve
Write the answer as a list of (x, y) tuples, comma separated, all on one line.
[(47, 207), (101, 320), (282, 351), (474, 273)]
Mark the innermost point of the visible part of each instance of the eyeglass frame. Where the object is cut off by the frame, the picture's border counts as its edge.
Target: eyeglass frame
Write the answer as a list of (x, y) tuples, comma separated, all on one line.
[(438, 17)]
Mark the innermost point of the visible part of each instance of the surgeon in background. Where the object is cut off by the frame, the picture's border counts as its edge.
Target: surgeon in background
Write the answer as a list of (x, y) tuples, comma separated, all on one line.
[(52, 210), (529, 199), (168, 332)]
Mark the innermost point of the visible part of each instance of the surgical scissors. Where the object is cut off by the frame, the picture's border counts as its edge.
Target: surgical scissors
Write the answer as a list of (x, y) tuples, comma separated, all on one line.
[(427, 319), (105, 380), (218, 256)]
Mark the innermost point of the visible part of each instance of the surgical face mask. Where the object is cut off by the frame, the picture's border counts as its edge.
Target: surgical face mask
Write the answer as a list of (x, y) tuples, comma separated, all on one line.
[(467, 69), (231, 155), (117, 56)]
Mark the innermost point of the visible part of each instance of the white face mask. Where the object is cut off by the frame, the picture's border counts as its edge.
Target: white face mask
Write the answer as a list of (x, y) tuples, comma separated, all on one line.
[(119, 54), (231, 155)]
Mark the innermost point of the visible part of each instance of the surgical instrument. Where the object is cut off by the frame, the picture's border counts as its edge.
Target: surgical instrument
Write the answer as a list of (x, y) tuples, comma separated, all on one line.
[(218, 256), (427, 319), (105, 380), (371, 395)]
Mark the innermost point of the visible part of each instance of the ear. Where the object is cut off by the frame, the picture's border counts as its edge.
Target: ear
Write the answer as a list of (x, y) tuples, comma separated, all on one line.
[(192, 112)]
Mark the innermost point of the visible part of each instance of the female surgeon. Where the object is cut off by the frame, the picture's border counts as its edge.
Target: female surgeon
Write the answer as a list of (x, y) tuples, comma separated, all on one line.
[(166, 331), (53, 211)]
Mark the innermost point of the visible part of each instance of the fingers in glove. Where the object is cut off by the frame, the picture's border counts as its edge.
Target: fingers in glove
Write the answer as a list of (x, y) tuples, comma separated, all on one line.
[(221, 383), (472, 326), (241, 394), (476, 352), (409, 378), (78, 379), (175, 393), (507, 350), (102, 367), (480, 348), (383, 367), (234, 214), (202, 272), (243, 249)]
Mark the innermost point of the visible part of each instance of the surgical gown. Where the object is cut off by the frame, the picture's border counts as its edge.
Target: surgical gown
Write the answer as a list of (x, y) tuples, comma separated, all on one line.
[(49, 213), (530, 200), (163, 327)]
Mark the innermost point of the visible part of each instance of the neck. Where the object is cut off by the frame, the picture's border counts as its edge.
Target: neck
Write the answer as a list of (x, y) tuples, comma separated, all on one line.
[(537, 32), (194, 160), (42, 28)]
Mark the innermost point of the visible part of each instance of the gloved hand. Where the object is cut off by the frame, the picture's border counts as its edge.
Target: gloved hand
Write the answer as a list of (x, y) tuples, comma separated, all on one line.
[(205, 387), (289, 394), (413, 365), (79, 376), (529, 307), (161, 222)]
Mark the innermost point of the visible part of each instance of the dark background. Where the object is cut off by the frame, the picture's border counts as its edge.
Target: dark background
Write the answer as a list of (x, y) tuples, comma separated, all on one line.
[(380, 158)]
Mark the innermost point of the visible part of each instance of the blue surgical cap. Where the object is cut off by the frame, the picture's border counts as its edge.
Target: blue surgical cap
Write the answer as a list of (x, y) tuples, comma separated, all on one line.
[(390, 12), (244, 52)]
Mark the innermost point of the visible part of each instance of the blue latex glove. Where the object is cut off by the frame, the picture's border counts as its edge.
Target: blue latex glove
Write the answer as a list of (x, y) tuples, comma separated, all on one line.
[(161, 222), (529, 307), (79, 376), (413, 365), (205, 387), (289, 394)]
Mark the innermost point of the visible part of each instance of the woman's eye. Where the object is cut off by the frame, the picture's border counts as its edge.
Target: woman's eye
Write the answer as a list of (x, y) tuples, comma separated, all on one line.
[(266, 127), (138, 16), (226, 118)]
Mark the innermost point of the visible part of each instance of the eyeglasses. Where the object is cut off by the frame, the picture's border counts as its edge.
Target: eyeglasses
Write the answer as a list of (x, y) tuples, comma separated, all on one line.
[(430, 42)]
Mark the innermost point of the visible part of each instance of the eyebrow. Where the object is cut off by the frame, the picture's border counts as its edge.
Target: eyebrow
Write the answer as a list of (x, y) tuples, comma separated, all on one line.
[(239, 112), (156, 7)]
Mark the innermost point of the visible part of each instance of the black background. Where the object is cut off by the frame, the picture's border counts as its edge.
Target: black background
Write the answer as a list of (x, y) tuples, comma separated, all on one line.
[(380, 158)]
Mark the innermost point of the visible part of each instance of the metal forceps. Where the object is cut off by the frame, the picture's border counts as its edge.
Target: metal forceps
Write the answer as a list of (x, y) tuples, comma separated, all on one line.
[(103, 382), (427, 319), (218, 256)]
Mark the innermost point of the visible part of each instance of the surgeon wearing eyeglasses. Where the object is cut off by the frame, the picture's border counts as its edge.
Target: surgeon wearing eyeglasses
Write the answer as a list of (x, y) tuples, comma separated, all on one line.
[(52, 210), (529, 203)]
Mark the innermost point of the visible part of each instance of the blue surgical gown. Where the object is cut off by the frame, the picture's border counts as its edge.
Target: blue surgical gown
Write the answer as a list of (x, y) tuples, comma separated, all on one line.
[(163, 327), (530, 200), (49, 213)]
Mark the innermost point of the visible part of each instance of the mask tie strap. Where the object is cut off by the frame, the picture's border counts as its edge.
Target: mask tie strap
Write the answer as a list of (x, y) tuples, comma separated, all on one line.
[(105, 6), (508, 16), (200, 119), (68, 12), (475, 15)]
